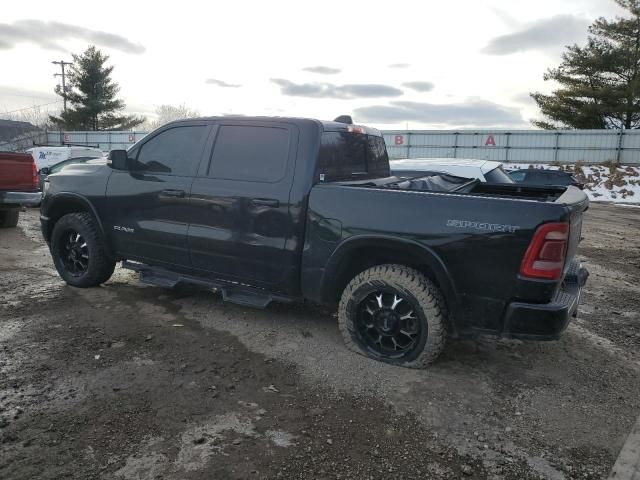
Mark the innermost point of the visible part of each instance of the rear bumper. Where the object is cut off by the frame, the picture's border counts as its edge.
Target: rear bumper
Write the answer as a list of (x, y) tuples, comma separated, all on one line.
[(533, 321), (20, 199)]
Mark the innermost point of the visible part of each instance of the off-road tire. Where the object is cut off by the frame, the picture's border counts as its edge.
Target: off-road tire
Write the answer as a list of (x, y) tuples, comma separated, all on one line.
[(100, 264), (9, 218), (418, 290)]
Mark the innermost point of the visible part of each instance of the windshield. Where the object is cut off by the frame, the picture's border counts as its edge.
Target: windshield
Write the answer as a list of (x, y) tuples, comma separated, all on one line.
[(498, 175), (349, 156)]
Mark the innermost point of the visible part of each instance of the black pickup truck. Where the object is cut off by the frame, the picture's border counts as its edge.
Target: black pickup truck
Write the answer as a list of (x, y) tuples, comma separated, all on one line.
[(293, 209)]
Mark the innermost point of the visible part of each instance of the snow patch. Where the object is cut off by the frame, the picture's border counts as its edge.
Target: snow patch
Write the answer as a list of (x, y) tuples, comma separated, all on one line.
[(602, 183), (280, 438)]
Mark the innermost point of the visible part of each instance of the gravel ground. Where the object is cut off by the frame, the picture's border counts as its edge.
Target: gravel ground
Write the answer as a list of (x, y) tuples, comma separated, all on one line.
[(134, 382)]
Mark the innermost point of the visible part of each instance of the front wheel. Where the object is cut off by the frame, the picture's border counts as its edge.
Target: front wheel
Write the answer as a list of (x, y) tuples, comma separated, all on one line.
[(78, 251), (394, 314)]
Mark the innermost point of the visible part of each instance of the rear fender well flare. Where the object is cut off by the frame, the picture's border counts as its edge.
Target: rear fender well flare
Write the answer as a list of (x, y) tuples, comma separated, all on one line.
[(423, 254)]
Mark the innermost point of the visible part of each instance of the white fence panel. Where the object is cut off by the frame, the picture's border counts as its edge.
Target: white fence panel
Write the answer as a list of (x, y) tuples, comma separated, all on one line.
[(519, 146)]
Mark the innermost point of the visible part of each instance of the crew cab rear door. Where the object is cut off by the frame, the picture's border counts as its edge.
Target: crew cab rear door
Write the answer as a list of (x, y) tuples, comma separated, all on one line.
[(148, 206), (240, 219)]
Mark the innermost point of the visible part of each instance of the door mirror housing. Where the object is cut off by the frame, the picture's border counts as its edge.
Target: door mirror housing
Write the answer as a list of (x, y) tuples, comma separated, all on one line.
[(45, 171), (118, 160)]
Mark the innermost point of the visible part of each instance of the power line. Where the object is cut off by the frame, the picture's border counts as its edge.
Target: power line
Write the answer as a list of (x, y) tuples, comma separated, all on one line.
[(29, 108), (25, 96), (62, 64)]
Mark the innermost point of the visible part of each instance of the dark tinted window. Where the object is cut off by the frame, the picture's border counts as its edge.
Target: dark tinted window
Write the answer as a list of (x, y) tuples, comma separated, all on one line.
[(377, 158), (349, 156), (517, 176), (175, 151), (535, 177), (257, 154)]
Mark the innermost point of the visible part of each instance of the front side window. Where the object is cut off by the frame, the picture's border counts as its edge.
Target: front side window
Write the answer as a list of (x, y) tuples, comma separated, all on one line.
[(175, 151), (250, 153)]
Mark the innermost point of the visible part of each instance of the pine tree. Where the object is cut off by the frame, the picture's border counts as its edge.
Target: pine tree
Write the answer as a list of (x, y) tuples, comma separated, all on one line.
[(92, 95), (600, 82)]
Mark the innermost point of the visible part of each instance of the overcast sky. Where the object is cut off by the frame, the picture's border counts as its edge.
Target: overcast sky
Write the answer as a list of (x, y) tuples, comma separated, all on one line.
[(436, 64)]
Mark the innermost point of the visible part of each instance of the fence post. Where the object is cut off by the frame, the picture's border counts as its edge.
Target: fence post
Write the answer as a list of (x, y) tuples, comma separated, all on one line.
[(506, 148), (455, 144), (408, 144), (555, 153), (619, 149)]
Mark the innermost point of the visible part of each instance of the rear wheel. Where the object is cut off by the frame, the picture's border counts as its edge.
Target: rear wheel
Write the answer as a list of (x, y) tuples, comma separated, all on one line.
[(394, 314), (78, 251), (9, 218)]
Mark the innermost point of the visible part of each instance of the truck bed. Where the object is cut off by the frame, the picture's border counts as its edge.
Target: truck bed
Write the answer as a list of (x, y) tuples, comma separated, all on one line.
[(443, 183), (477, 233)]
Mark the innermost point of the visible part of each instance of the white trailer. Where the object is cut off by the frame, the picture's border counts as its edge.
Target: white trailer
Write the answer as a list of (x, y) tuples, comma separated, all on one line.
[(48, 156)]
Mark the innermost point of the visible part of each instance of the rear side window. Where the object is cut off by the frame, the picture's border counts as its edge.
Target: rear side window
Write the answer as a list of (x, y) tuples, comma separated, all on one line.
[(349, 156), (175, 151), (255, 154)]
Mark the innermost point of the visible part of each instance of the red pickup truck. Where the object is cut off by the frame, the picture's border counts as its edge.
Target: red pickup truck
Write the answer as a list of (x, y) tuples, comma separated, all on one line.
[(18, 186)]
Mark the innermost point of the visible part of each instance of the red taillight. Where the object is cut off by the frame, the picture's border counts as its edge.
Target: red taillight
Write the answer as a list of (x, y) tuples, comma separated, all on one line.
[(546, 253), (34, 176)]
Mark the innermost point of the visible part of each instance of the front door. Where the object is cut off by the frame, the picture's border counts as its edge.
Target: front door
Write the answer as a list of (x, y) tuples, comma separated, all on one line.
[(148, 206), (241, 220)]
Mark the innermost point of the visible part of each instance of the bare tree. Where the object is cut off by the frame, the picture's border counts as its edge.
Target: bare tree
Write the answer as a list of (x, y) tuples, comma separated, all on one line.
[(169, 113), (36, 116)]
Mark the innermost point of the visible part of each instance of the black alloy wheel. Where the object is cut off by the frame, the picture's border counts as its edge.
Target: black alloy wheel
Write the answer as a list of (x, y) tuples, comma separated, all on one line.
[(74, 253), (387, 324)]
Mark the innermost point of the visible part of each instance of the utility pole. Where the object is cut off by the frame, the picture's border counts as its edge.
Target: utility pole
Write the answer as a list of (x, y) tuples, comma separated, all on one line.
[(62, 64)]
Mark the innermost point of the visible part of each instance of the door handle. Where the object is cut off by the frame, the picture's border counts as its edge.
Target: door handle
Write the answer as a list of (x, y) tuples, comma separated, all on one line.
[(265, 202), (173, 193)]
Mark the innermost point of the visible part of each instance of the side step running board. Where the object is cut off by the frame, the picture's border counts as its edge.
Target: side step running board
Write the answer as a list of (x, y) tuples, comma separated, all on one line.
[(241, 295)]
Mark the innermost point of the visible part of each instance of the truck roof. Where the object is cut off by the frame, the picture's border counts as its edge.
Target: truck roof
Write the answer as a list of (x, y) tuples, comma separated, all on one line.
[(327, 125)]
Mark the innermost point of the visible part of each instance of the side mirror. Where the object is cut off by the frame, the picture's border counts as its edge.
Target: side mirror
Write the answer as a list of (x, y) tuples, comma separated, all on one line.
[(118, 160), (45, 171)]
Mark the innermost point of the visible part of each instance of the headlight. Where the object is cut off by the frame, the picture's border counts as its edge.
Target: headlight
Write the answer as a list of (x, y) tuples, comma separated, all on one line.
[(45, 187)]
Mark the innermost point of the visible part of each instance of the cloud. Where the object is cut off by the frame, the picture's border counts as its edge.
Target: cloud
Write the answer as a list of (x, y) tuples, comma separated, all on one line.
[(322, 70), (474, 112), (523, 98), (419, 86), (36, 95), (47, 35), (329, 90), (399, 65), (554, 32), (221, 83)]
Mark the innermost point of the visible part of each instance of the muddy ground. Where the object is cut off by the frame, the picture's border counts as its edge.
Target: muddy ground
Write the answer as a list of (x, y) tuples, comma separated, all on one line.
[(134, 382)]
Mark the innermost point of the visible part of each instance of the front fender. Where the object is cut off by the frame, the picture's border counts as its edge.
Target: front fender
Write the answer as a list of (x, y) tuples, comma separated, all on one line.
[(56, 205)]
